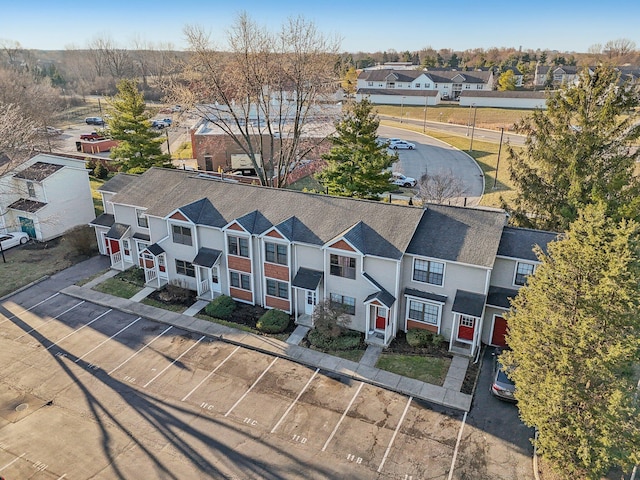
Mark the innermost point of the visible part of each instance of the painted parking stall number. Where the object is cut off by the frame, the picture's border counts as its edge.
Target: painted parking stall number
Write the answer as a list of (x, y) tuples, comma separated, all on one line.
[(129, 379), (354, 459), (250, 421), (299, 439), (92, 366), (206, 406), (39, 466)]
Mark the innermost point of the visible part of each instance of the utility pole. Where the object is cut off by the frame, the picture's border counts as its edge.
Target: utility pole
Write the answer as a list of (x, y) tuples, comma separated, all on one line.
[(473, 129), (166, 131), (495, 179), (424, 122)]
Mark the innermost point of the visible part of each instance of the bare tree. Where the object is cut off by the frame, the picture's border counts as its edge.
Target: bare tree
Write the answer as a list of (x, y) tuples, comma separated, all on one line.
[(441, 187), (266, 93), (619, 48)]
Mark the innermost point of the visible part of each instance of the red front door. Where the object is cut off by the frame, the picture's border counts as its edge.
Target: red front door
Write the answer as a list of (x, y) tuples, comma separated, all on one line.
[(114, 246), (499, 332), (466, 328), (381, 318)]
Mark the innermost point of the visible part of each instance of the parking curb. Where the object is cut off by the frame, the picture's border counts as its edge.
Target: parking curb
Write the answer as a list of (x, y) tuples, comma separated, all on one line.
[(24, 287)]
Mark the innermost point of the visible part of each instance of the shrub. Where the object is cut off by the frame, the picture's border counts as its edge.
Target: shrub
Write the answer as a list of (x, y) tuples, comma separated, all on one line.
[(419, 337), (273, 321), (348, 340), (437, 340), (91, 166), (221, 307), (100, 171)]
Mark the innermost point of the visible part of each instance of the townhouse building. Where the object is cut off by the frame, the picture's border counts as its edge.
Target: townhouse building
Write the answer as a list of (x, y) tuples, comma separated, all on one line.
[(448, 269)]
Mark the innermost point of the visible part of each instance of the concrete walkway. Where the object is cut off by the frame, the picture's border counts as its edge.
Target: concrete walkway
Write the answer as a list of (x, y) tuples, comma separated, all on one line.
[(449, 394)]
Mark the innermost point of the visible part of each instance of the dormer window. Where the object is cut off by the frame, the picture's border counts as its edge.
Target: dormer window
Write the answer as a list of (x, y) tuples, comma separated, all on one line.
[(142, 219), (343, 266)]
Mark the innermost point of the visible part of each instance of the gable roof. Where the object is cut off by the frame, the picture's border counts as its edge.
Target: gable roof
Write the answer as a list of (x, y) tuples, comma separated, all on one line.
[(117, 183), (459, 234), (201, 212), (519, 242)]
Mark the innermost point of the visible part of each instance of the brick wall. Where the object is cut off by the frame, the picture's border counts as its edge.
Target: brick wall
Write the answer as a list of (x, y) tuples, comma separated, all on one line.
[(278, 272)]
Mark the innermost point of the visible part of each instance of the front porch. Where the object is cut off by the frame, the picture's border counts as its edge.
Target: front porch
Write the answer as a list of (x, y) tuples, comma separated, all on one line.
[(207, 262)]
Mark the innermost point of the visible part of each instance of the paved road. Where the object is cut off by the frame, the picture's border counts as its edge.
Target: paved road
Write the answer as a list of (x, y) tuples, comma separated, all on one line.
[(482, 134), (433, 156)]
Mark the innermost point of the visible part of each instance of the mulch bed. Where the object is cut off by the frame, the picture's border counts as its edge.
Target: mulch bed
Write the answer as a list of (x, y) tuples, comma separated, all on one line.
[(399, 345), (248, 315), (469, 382), (185, 299), (37, 245)]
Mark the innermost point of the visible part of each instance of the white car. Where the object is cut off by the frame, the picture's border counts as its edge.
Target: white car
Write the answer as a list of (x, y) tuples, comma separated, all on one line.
[(399, 179), (402, 145), (8, 240)]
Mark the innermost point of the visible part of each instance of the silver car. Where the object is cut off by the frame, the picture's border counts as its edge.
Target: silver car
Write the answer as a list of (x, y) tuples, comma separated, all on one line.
[(501, 386)]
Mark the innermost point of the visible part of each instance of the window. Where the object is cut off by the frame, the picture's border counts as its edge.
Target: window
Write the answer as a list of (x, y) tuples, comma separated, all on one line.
[(369, 84), (277, 289), (185, 268), (181, 234), (349, 303), (479, 86), (142, 219), (240, 280), (467, 321), (275, 253), (126, 247), (391, 85), (343, 266), (428, 271), (523, 270), (31, 189), (467, 86), (238, 246), (140, 246), (417, 85), (424, 312)]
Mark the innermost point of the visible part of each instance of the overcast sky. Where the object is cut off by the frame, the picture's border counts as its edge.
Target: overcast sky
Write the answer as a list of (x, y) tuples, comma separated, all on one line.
[(565, 25)]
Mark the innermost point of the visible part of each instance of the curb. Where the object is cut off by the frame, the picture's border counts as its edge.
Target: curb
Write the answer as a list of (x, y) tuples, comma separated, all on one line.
[(535, 457), (24, 287)]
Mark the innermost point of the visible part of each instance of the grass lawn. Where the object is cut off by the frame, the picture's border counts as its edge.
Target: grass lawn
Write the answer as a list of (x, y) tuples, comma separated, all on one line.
[(172, 307), (238, 326), (118, 287), (427, 369), (96, 183), (353, 355)]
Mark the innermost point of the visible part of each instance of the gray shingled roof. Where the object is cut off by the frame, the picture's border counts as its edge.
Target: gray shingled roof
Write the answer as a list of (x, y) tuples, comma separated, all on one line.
[(519, 242), (117, 183), (499, 297), (207, 257), (117, 231), (104, 220), (38, 171), (383, 295), (27, 205), (318, 218), (459, 234), (155, 249), (468, 303), (382, 75), (504, 94), (412, 292), (307, 278), (398, 92), (201, 212)]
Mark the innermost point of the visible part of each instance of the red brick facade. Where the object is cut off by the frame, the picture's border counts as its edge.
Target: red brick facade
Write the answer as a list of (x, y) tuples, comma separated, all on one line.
[(241, 294), (279, 303), (342, 245), (279, 272), (413, 324), (239, 263)]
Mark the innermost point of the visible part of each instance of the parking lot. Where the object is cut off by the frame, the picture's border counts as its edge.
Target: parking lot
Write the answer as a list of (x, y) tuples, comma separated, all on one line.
[(89, 392)]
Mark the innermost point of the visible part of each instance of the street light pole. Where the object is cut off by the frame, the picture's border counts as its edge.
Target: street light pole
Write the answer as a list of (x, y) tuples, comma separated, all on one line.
[(469, 119), (424, 121), (401, 109), (495, 179), (166, 131), (473, 129)]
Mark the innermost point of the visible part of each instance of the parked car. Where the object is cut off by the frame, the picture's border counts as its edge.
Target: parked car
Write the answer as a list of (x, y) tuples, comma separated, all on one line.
[(165, 122), (402, 145), (502, 386), (8, 240), (399, 179), (176, 108), (94, 121), (395, 140), (48, 130), (92, 136)]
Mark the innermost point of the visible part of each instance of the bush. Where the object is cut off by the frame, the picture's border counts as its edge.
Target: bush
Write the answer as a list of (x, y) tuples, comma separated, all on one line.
[(348, 340), (273, 321), (91, 166), (419, 337), (100, 171), (437, 340), (222, 307)]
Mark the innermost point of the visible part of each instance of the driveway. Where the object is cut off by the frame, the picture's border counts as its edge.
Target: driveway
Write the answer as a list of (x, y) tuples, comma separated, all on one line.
[(433, 156)]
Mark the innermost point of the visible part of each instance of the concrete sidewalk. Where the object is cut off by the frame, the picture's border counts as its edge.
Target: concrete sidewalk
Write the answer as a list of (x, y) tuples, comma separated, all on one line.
[(448, 395)]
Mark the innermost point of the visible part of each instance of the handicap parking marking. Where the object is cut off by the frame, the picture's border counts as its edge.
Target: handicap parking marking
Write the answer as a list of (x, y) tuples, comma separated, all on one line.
[(133, 355), (6, 319), (251, 387), (210, 374), (174, 361), (106, 340), (344, 414), (50, 320)]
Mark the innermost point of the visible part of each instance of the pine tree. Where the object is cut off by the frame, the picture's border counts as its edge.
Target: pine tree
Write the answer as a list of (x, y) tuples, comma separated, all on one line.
[(357, 165), (580, 151), (139, 145), (574, 332)]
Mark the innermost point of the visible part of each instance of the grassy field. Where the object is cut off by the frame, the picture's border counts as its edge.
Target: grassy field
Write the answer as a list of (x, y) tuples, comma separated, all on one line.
[(426, 369), (96, 183), (118, 288)]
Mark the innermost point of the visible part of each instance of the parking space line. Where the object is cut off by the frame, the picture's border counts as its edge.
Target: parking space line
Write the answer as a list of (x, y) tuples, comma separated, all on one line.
[(105, 341), (251, 387), (295, 401), (13, 461), (140, 349), (344, 414), (179, 357), (50, 320), (77, 330), (60, 478), (455, 451), (30, 308), (210, 373), (384, 458)]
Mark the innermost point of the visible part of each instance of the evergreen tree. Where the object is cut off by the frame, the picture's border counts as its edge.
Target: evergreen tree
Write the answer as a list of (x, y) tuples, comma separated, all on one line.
[(574, 332), (581, 150), (357, 165), (139, 145)]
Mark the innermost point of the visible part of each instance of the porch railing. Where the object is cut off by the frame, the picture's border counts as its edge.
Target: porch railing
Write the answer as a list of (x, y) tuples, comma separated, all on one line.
[(150, 274), (204, 287), (116, 258)]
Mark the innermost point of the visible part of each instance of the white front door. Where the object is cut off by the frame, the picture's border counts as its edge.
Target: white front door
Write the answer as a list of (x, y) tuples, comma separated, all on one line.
[(126, 250), (215, 280), (310, 301)]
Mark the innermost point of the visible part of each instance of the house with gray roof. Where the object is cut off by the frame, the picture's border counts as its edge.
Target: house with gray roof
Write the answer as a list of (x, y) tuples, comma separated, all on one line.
[(392, 267), (45, 196)]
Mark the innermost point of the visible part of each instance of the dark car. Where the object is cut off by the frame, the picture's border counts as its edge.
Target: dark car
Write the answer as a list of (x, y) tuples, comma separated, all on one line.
[(501, 386), (94, 121)]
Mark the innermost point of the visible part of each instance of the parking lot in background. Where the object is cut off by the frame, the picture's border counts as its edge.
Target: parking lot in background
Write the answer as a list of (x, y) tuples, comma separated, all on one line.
[(89, 392)]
